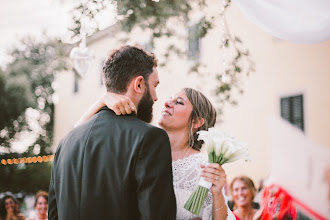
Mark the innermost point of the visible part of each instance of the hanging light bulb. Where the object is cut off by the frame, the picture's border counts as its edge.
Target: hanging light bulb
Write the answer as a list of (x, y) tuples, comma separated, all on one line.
[(82, 56)]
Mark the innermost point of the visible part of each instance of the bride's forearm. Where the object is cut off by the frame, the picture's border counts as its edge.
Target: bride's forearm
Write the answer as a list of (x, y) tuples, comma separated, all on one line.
[(219, 207), (91, 111)]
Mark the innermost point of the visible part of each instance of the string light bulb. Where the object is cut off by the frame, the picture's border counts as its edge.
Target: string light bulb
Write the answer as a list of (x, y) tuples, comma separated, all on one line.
[(23, 160)]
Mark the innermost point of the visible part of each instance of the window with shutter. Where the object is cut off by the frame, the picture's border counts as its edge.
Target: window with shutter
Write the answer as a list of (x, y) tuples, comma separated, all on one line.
[(193, 42), (76, 84), (147, 46), (292, 110)]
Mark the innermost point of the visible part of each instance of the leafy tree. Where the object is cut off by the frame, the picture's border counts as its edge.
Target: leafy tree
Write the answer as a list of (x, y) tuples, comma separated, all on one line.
[(27, 110), (156, 16)]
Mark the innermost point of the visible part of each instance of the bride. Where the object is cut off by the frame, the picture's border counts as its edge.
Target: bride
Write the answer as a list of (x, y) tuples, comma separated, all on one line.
[(183, 115)]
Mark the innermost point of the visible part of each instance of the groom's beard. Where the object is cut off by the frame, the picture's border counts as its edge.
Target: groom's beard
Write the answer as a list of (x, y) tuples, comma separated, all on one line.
[(145, 107)]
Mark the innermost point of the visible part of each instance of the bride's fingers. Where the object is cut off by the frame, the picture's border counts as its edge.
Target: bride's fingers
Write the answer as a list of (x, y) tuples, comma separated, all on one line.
[(219, 183), (128, 109), (115, 109), (132, 106), (214, 175), (122, 109), (209, 175), (129, 106), (213, 168), (211, 165)]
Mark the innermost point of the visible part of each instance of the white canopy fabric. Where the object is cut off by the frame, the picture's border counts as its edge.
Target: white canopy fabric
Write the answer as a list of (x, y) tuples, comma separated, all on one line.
[(299, 21)]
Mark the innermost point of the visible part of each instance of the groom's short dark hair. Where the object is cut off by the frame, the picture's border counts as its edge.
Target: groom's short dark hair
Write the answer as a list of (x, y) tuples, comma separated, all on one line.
[(124, 64)]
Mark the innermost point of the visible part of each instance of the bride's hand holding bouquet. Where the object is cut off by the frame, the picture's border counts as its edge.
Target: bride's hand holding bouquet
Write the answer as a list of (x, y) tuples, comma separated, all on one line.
[(216, 175), (221, 148)]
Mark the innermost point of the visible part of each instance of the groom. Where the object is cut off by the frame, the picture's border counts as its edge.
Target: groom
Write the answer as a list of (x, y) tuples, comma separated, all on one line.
[(116, 167)]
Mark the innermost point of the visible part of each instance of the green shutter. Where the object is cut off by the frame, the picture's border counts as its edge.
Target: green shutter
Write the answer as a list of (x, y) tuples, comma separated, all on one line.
[(292, 110)]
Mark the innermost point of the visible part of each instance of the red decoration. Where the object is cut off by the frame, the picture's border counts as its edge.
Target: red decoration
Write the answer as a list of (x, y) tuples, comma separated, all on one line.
[(279, 204)]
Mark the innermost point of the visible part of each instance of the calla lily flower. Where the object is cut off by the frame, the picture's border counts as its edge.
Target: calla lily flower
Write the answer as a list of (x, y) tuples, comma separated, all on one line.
[(225, 148)]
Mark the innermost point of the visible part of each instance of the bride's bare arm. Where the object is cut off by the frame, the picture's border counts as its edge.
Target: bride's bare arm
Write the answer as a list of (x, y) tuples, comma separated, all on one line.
[(90, 112), (120, 104)]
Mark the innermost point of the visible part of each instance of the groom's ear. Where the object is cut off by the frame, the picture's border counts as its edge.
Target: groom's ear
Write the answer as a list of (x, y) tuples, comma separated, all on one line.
[(138, 84)]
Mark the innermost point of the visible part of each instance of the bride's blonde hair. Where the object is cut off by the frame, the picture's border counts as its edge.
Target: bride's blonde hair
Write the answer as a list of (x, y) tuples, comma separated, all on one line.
[(202, 108)]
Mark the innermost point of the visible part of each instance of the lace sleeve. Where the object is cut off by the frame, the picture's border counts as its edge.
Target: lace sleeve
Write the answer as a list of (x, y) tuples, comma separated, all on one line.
[(186, 175), (207, 212)]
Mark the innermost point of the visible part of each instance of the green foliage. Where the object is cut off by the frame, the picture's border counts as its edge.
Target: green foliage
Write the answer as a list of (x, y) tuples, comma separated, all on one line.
[(15, 98), (88, 10), (26, 84), (203, 26), (152, 15), (155, 15), (239, 67)]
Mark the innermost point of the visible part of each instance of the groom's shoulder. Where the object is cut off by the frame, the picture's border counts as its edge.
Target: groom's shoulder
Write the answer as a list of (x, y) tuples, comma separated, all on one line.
[(145, 128), (152, 128), (130, 123), (154, 132)]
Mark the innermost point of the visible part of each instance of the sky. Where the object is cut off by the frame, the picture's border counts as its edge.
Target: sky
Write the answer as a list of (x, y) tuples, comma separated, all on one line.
[(19, 18)]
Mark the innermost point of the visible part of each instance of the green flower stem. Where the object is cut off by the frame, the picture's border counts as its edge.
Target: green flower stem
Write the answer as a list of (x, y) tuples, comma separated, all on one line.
[(196, 200)]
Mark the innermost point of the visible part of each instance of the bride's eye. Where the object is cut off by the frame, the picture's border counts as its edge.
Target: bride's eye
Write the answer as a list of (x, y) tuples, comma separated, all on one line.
[(179, 102)]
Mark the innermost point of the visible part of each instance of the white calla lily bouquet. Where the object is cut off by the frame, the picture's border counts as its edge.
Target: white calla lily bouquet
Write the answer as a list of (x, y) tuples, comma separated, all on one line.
[(221, 148)]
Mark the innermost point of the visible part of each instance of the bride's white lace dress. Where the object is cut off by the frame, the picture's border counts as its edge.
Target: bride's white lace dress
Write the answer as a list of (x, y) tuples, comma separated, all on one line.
[(186, 175)]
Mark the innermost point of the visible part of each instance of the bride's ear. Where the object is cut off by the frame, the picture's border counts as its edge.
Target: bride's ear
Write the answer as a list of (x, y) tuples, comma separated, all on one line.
[(138, 84), (197, 123)]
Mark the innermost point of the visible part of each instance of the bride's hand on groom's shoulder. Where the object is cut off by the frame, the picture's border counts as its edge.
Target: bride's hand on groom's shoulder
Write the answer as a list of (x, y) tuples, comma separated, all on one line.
[(118, 103), (216, 175)]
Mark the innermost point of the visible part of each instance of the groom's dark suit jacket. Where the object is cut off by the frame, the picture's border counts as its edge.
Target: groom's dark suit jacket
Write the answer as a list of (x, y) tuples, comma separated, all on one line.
[(112, 167)]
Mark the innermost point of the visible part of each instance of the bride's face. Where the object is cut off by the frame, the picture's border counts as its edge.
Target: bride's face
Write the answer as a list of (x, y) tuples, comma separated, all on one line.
[(176, 112)]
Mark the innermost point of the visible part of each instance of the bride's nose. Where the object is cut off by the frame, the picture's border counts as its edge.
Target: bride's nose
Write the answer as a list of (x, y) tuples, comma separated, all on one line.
[(168, 104)]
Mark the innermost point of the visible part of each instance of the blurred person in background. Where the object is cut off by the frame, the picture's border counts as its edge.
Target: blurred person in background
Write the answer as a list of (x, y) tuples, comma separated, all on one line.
[(41, 205), (8, 209), (243, 192), (258, 196)]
